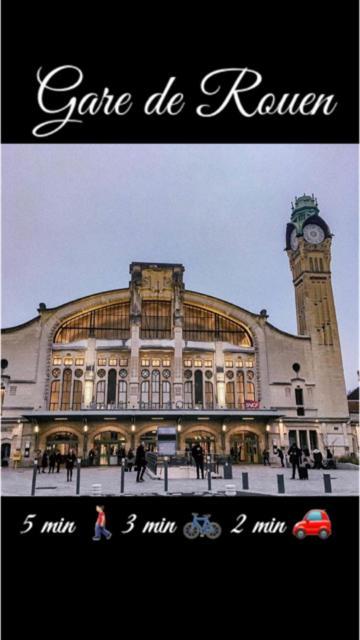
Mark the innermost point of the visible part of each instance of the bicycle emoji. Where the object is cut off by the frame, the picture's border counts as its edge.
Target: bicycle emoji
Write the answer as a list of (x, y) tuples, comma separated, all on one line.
[(201, 526)]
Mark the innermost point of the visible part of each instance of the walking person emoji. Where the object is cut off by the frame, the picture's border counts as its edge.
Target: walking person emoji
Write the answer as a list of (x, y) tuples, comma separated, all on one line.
[(100, 525)]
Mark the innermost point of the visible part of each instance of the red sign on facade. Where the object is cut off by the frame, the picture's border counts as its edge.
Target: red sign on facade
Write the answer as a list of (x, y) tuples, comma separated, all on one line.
[(252, 404)]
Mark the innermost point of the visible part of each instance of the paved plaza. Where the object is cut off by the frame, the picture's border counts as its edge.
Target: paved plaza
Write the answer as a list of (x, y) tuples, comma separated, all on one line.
[(182, 480)]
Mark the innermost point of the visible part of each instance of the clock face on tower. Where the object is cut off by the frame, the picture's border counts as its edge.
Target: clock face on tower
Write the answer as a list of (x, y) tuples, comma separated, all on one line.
[(294, 240), (313, 233)]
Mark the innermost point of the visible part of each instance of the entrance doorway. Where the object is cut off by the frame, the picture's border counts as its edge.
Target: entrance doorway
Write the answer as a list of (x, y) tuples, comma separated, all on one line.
[(5, 453), (109, 447), (244, 448), (207, 441), (62, 441)]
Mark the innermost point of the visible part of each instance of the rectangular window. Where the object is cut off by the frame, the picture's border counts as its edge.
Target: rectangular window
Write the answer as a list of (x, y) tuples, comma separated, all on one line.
[(292, 437), (145, 363), (313, 439), (122, 394), (228, 363), (249, 363), (100, 394), (101, 362), (197, 363), (209, 403), (239, 363), (156, 319), (311, 264), (123, 362), (166, 363), (299, 397), (79, 362), (188, 395), (230, 395), (156, 363), (303, 440), (57, 360), (77, 393), (208, 363), (187, 363), (68, 361), (55, 395), (112, 362)]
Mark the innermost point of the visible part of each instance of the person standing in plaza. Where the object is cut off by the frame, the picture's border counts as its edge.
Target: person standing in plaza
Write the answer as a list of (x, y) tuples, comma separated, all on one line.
[(317, 455), (91, 457), (197, 453), (100, 525), (140, 463), (130, 459), (52, 460), (266, 457), (281, 456), (69, 463), (58, 461), (294, 454), (44, 461)]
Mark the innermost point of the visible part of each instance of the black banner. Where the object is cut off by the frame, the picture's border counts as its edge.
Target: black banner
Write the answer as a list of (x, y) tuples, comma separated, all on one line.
[(270, 73)]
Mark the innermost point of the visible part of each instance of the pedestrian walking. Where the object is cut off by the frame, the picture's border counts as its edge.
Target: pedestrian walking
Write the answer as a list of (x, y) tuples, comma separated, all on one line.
[(44, 462), (294, 454), (69, 463), (100, 525), (197, 453), (58, 460), (140, 463), (266, 457), (91, 457), (281, 456), (52, 460)]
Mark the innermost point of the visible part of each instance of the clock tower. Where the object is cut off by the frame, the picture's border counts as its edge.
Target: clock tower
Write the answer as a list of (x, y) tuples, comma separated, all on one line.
[(308, 245)]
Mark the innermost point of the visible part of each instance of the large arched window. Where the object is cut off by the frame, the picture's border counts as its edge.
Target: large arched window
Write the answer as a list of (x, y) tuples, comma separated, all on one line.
[(55, 395), (155, 319), (111, 390), (77, 395), (230, 395), (100, 394), (166, 395), (155, 389), (122, 394), (109, 322), (66, 390), (207, 326), (144, 394)]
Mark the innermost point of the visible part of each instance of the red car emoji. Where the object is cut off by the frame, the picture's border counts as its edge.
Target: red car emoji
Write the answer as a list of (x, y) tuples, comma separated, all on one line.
[(315, 523)]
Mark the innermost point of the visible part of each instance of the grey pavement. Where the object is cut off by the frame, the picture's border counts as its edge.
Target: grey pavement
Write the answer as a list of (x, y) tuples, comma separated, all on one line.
[(262, 480)]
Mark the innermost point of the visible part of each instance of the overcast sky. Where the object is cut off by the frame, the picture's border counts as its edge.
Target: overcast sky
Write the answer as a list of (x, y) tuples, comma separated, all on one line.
[(75, 216)]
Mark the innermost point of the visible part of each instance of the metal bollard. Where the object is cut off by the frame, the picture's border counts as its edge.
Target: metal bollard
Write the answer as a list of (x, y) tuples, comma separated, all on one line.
[(78, 476), (166, 480), (245, 480), (280, 483), (33, 484), (327, 483), (122, 482), (208, 459)]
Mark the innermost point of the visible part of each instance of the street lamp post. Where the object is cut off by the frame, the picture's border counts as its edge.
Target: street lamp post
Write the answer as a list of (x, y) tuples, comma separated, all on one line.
[(122, 480), (36, 431), (78, 476), (85, 429), (166, 482), (208, 460)]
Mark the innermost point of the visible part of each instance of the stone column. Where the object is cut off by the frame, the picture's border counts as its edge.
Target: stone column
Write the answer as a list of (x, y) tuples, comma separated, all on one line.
[(134, 391), (220, 375), (89, 378), (178, 369)]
